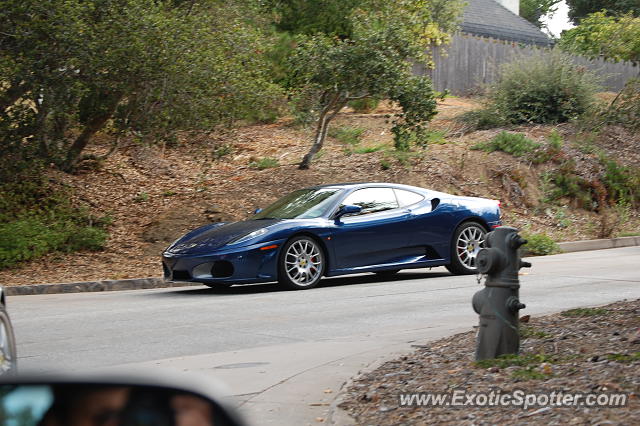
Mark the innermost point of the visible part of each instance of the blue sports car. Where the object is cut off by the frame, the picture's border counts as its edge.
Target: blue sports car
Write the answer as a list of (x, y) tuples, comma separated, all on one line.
[(334, 230)]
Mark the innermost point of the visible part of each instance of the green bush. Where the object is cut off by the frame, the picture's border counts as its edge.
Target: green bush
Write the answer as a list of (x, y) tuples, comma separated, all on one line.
[(347, 134), (625, 109), (364, 105), (515, 144), (622, 183), (483, 119), (35, 235), (36, 219), (543, 88), (552, 151), (265, 163), (539, 245)]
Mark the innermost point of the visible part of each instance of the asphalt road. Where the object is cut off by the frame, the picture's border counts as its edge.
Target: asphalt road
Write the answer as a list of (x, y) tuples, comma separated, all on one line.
[(285, 354)]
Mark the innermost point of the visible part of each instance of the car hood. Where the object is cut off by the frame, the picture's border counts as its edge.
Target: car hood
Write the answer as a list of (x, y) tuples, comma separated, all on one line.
[(216, 235)]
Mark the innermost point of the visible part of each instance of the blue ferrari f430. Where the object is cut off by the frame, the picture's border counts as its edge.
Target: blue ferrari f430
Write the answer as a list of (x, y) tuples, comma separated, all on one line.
[(334, 230)]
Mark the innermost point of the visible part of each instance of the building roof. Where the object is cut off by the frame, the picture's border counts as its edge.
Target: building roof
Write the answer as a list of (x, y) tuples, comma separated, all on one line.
[(488, 18)]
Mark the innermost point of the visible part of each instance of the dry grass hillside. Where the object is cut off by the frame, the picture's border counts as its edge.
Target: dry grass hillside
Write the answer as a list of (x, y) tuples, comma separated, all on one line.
[(153, 194)]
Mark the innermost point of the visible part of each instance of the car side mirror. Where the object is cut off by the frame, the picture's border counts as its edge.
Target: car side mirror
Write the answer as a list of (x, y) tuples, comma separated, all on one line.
[(348, 209), (258, 210), (52, 401)]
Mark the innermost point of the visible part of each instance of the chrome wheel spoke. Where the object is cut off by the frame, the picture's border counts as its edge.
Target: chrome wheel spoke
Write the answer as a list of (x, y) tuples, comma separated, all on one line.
[(469, 243), (303, 262)]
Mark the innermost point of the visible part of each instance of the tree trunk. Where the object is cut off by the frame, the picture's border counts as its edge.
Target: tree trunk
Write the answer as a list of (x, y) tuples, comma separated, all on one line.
[(94, 124), (326, 115)]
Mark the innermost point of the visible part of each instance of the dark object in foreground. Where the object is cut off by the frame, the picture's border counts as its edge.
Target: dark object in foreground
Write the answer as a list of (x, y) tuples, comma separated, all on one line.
[(498, 303), (137, 400)]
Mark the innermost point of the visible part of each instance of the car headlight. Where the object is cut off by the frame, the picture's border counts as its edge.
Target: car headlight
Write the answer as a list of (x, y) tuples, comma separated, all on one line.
[(252, 235)]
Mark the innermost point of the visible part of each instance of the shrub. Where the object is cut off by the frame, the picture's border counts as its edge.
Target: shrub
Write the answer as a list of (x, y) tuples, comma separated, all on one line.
[(625, 109), (368, 149), (540, 245), (622, 183), (515, 144), (264, 163), (346, 134), (364, 105), (483, 119), (552, 151), (32, 236), (543, 88)]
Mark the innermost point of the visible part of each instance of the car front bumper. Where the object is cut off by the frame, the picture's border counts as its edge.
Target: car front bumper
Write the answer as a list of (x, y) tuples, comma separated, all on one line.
[(227, 265)]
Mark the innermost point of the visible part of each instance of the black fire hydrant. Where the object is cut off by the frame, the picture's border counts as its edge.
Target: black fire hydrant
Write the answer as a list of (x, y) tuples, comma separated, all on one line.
[(498, 304)]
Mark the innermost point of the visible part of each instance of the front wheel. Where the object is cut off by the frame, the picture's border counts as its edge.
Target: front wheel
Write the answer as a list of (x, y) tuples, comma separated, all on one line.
[(467, 242), (301, 264)]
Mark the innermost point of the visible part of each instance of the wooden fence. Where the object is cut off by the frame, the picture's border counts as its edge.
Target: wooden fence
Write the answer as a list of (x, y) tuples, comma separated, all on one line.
[(469, 63)]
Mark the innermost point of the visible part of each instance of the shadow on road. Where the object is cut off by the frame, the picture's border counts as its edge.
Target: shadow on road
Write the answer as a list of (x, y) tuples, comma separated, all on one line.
[(325, 283)]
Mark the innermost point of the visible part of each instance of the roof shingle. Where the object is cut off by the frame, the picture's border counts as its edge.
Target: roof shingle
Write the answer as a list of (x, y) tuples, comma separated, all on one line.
[(488, 18)]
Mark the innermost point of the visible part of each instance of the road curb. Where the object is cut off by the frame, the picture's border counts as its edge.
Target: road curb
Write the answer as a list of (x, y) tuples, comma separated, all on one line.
[(156, 282), (93, 286), (586, 245)]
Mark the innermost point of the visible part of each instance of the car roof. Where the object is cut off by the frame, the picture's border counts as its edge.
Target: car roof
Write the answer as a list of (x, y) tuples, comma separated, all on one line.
[(350, 185)]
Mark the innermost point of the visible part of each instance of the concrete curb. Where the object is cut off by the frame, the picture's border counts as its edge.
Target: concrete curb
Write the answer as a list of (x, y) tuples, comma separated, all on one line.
[(573, 246), (149, 283), (91, 286)]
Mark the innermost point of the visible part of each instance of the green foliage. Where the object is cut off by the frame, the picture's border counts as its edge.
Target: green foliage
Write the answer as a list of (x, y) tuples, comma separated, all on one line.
[(418, 102), (579, 9), (265, 163), (527, 331), (221, 151), (71, 68), (368, 149), (566, 182), (539, 245), (516, 144), (544, 88), (504, 361), (599, 35), (529, 373), (534, 10), (584, 312), (370, 59), (347, 134), (35, 221), (622, 183), (624, 358), (364, 105), (483, 119), (141, 197), (625, 109), (385, 164), (552, 151)]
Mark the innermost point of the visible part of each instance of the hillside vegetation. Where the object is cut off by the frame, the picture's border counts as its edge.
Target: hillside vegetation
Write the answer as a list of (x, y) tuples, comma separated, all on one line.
[(152, 194)]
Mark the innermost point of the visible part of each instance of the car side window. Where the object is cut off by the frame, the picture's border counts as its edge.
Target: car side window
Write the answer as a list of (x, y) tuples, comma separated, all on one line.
[(407, 198), (372, 200)]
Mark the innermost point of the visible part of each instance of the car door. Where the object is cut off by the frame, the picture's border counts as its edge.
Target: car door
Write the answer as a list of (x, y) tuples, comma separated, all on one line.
[(377, 235)]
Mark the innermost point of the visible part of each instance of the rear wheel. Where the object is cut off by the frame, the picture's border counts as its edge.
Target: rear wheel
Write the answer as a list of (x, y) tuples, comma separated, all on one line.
[(301, 264), (467, 242)]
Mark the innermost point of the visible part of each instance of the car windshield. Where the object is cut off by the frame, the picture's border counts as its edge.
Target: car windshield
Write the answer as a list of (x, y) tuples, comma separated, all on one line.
[(301, 204)]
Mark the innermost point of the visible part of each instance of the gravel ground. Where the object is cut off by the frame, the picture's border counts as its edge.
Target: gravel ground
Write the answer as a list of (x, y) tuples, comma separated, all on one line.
[(577, 351)]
